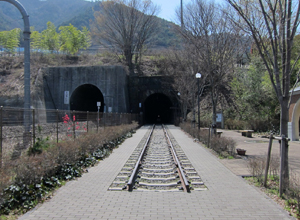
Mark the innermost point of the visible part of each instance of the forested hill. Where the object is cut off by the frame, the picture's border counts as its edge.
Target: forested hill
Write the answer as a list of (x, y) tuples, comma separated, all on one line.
[(40, 12), (64, 12), (165, 37)]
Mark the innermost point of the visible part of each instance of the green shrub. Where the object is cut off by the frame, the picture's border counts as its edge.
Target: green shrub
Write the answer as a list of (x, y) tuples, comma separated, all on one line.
[(25, 181), (257, 166), (223, 146), (39, 146)]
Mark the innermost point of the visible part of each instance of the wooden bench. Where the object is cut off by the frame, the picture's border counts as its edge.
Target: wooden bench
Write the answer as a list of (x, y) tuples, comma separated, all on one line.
[(247, 133)]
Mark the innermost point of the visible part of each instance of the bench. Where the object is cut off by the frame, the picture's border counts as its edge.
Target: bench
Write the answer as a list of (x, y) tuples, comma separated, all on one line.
[(219, 133), (247, 133)]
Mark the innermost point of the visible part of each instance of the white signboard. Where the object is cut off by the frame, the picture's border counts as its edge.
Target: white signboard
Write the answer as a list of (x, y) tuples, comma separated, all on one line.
[(66, 97), (98, 104), (219, 117)]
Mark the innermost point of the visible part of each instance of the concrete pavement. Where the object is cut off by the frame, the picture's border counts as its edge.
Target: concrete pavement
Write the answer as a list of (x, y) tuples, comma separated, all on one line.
[(228, 195), (258, 146)]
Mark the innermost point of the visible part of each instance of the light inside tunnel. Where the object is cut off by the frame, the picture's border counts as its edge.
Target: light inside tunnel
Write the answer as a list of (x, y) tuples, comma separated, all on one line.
[(157, 109), (85, 98)]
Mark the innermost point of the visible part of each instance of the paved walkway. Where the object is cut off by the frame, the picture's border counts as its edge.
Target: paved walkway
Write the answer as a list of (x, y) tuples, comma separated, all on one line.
[(257, 146), (228, 195)]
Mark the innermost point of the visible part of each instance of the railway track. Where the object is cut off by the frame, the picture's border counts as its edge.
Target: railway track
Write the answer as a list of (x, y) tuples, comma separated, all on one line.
[(158, 163)]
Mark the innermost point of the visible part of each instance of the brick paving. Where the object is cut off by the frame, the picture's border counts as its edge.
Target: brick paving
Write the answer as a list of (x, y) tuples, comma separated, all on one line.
[(228, 195)]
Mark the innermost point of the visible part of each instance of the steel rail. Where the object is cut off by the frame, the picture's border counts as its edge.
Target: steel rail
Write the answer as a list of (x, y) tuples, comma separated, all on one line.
[(138, 163), (185, 183)]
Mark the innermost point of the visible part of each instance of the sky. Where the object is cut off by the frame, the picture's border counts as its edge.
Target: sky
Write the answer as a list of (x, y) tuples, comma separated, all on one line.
[(168, 8)]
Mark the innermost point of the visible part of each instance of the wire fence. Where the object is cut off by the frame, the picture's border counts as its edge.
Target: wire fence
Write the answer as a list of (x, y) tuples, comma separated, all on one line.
[(55, 125)]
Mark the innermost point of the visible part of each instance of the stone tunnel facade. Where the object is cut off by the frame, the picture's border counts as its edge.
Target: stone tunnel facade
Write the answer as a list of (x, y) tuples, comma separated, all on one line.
[(106, 83), (80, 88)]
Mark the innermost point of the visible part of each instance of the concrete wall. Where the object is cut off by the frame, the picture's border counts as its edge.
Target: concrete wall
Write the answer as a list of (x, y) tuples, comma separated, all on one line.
[(122, 93), (112, 81), (141, 87)]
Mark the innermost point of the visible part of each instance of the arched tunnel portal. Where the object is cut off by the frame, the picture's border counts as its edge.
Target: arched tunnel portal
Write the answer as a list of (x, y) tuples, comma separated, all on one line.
[(157, 109), (85, 98)]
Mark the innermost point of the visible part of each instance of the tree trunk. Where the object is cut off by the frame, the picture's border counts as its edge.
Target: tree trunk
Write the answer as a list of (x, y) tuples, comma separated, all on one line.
[(184, 111), (128, 58), (214, 115), (284, 118)]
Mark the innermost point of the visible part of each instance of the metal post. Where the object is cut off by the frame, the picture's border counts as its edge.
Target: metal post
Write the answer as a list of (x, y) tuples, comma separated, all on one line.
[(87, 122), (56, 125), (268, 160), (104, 120), (74, 123), (26, 34), (181, 13), (194, 117), (98, 120), (198, 105), (98, 105), (1, 119), (27, 77), (208, 141), (282, 165), (33, 126)]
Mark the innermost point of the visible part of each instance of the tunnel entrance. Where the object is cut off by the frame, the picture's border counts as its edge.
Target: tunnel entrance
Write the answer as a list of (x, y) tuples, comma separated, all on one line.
[(85, 98), (157, 109)]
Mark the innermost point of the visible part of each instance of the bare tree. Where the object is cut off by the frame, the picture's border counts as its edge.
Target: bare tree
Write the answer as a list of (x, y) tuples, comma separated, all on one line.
[(181, 65), (215, 44), (126, 26), (273, 25)]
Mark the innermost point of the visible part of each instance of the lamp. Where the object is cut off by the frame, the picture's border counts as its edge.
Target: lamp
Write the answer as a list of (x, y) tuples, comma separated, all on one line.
[(198, 76)]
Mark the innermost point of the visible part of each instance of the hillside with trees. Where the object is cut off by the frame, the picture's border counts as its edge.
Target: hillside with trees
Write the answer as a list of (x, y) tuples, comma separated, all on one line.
[(40, 12), (79, 13), (165, 36)]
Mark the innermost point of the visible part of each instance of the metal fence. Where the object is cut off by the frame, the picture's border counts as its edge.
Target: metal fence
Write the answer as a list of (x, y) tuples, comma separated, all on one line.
[(55, 125)]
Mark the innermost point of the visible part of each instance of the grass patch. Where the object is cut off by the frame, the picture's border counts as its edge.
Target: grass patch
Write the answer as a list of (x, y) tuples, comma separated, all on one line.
[(289, 201)]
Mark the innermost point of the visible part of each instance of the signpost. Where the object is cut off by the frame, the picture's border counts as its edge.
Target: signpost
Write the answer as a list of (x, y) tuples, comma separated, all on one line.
[(66, 97), (220, 120), (98, 105)]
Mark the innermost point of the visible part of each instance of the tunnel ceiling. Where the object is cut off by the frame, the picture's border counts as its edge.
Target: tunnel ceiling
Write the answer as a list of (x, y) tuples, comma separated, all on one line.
[(85, 98), (158, 109)]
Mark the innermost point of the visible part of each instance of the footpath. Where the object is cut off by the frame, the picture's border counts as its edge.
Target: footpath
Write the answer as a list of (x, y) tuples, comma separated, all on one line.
[(258, 146), (228, 196)]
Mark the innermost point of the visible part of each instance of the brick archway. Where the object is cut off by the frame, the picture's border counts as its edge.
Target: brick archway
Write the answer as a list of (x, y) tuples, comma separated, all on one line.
[(294, 116)]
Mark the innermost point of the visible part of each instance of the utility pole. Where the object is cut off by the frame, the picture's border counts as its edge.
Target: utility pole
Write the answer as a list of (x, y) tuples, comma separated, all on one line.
[(181, 13), (26, 34)]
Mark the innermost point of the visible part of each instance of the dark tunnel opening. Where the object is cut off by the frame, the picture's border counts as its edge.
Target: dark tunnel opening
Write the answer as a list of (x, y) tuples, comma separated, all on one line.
[(158, 109), (85, 98)]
